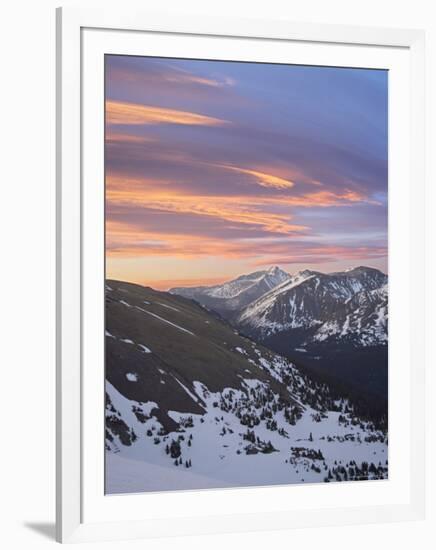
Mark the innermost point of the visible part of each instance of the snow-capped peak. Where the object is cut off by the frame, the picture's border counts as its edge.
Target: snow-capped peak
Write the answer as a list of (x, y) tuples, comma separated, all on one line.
[(350, 304)]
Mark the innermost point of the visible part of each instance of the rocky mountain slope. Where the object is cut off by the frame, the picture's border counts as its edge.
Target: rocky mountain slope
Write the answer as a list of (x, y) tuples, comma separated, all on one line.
[(313, 307), (191, 403)]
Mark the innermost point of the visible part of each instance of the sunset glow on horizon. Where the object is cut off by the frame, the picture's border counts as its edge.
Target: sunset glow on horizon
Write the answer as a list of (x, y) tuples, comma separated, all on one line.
[(215, 169)]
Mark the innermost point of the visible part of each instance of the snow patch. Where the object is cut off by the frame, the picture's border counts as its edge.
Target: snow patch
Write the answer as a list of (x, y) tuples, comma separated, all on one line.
[(165, 320), (168, 307), (145, 349)]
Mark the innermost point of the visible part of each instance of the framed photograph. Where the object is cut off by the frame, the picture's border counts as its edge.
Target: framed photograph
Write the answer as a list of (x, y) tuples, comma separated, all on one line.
[(240, 213)]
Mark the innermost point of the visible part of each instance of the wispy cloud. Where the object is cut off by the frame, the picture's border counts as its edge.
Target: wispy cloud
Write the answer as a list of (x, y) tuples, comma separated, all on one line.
[(161, 192), (264, 179), (172, 74), (122, 112), (161, 73), (117, 138), (324, 254)]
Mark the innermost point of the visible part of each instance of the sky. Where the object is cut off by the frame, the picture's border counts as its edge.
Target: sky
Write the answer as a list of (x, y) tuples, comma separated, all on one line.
[(217, 168)]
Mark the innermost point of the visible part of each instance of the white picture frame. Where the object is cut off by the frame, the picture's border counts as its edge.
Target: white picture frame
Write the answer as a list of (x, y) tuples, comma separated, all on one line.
[(83, 36)]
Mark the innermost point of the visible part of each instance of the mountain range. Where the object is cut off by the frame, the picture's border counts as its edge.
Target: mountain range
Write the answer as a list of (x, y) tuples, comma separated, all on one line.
[(191, 402), (308, 307)]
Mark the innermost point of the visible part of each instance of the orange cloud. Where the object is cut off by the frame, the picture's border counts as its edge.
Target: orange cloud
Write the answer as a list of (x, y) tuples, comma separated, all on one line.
[(262, 178), (223, 208), (165, 74), (145, 192), (125, 241), (246, 216), (119, 112), (323, 199), (114, 137)]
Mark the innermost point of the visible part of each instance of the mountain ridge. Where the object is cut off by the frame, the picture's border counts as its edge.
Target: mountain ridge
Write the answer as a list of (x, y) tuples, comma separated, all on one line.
[(232, 295), (341, 305)]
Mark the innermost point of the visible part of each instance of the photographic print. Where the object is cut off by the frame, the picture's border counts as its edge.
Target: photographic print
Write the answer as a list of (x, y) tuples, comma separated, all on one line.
[(246, 298)]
